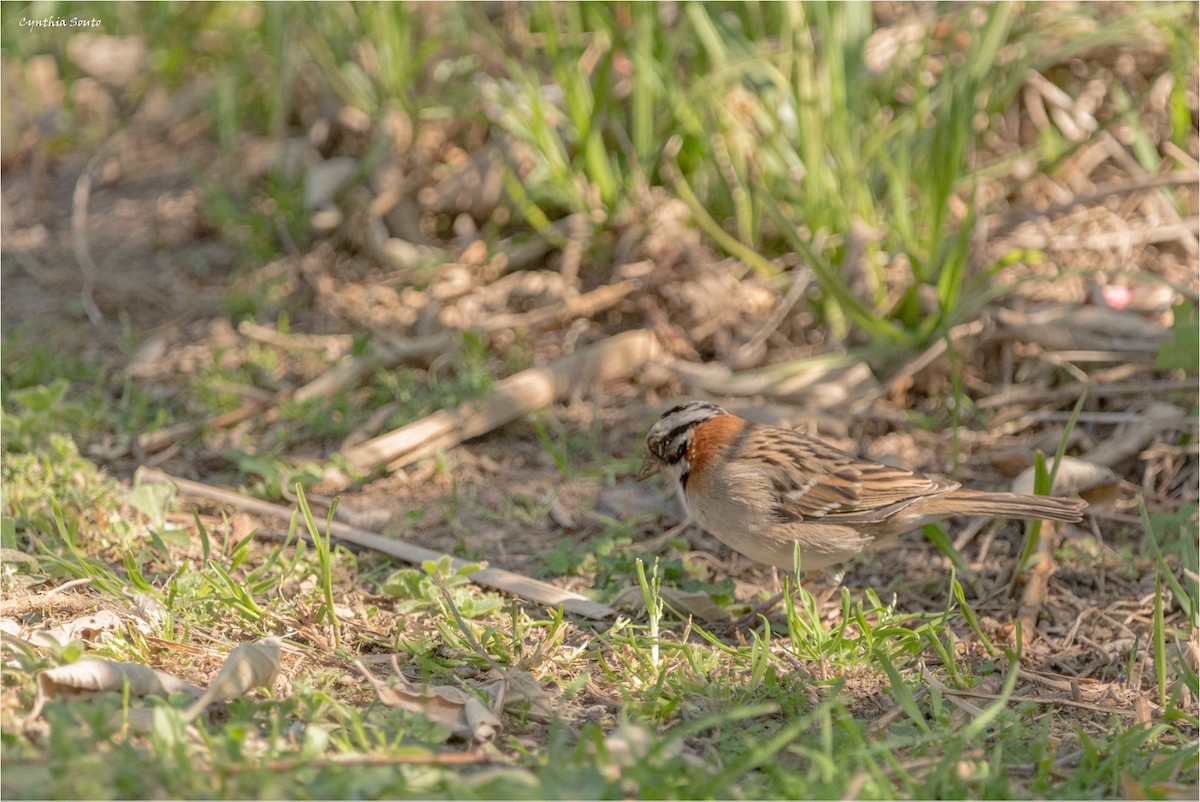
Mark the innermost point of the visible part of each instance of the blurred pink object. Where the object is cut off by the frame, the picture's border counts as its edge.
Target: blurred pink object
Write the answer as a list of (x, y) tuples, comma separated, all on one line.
[(1116, 297)]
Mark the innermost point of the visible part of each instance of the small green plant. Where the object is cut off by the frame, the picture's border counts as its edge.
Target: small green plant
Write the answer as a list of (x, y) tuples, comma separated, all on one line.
[(1181, 351), (42, 410), (275, 472), (421, 590), (1187, 588), (54, 487), (323, 544), (556, 445)]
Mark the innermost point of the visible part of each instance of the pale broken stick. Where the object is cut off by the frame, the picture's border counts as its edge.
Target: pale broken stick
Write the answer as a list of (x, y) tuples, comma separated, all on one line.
[(427, 348), (614, 358), (419, 349), (586, 305), (506, 581), (151, 442)]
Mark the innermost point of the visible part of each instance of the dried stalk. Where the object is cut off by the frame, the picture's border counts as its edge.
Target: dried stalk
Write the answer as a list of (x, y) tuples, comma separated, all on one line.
[(426, 349), (507, 581), (614, 358)]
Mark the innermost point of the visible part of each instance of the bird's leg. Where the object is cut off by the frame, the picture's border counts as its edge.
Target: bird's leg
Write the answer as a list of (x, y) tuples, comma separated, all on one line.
[(655, 543)]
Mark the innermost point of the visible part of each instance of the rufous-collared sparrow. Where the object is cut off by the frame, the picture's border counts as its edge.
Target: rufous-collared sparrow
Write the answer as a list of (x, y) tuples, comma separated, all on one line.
[(763, 491)]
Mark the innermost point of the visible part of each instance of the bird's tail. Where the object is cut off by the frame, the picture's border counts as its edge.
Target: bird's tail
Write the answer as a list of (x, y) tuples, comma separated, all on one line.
[(1016, 505)]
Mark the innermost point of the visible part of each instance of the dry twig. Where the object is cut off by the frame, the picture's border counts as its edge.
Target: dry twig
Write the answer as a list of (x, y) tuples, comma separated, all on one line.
[(498, 578), (519, 394)]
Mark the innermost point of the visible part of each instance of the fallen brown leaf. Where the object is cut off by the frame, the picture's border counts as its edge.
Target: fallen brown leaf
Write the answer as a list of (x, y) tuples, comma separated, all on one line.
[(89, 678), (248, 666)]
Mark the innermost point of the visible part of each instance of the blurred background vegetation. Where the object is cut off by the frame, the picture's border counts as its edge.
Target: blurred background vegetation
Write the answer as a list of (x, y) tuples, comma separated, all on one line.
[(869, 140)]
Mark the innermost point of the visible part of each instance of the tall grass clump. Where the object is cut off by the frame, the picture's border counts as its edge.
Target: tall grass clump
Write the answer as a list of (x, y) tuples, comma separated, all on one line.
[(803, 127)]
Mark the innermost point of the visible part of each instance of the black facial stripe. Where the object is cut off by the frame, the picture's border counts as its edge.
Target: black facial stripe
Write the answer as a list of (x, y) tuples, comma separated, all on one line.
[(669, 438), (683, 419), (679, 430), (694, 412)]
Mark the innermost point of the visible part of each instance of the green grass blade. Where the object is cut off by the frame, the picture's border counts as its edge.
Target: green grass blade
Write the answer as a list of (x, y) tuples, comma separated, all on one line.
[(1187, 601), (902, 693)]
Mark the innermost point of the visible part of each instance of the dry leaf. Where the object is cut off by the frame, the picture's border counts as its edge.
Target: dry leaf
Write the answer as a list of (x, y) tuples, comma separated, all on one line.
[(93, 628), (518, 688), (150, 613), (1096, 484), (88, 678), (466, 716), (629, 600), (248, 666)]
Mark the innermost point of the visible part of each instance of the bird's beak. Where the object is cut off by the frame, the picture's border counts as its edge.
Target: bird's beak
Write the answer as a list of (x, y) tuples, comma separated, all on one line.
[(650, 466)]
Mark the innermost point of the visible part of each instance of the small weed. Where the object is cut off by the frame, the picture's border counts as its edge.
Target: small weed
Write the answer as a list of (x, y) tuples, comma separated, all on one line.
[(29, 362), (555, 445), (421, 590), (518, 508), (275, 472), (1182, 350), (319, 419)]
